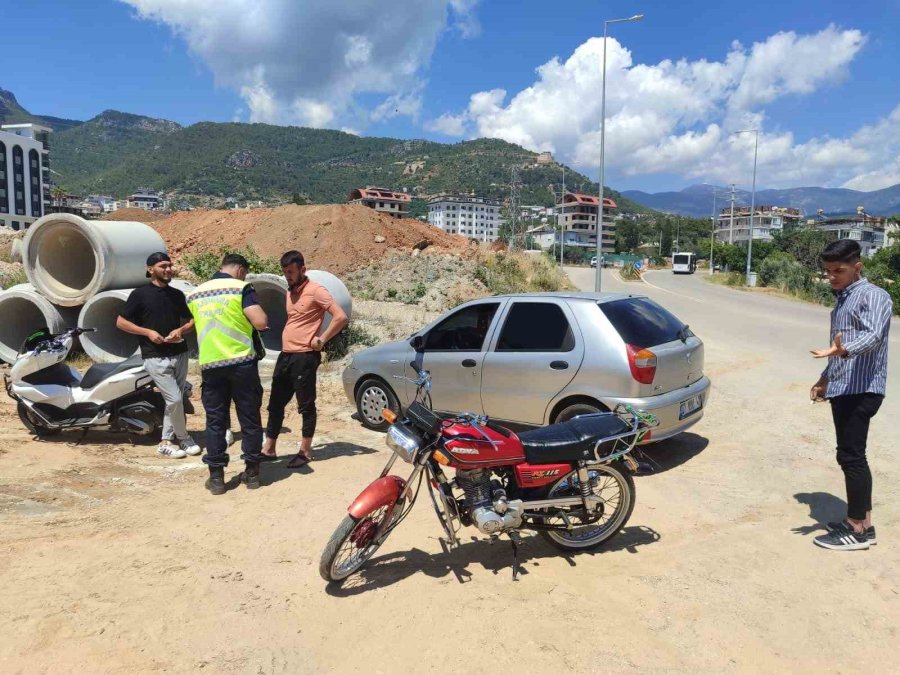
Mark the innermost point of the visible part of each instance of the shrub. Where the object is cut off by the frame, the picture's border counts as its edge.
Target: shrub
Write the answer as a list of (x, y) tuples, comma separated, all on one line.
[(8, 280), (354, 334), (781, 270), (630, 272), (207, 263)]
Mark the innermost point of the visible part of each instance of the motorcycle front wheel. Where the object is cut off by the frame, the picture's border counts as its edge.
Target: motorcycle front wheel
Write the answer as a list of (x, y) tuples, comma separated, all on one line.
[(614, 486), (33, 423), (355, 541)]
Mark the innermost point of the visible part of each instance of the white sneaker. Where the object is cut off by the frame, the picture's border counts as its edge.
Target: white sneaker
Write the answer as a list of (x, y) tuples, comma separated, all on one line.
[(189, 447), (172, 451)]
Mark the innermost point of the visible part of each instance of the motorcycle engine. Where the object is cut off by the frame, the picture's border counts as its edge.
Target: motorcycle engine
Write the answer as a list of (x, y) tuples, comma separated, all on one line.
[(486, 502)]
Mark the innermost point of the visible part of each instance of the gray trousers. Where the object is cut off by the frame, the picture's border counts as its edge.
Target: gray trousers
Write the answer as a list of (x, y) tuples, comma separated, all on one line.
[(169, 374)]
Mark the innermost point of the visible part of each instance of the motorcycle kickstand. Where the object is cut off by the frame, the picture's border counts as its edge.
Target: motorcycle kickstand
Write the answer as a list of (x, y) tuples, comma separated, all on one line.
[(84, 433), (516, 543)]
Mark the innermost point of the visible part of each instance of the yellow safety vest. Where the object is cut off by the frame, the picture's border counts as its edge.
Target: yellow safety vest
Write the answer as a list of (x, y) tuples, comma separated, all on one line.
[(224, 334)]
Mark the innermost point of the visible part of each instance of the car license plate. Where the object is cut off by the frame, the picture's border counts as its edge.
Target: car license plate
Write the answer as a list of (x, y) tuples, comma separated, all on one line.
[(690, 406)]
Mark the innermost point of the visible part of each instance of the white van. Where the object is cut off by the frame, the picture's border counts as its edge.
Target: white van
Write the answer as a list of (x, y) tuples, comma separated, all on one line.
[(684, 263)]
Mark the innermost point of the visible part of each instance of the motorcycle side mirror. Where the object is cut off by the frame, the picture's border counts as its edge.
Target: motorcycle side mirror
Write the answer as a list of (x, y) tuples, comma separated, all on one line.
[(417, 343)]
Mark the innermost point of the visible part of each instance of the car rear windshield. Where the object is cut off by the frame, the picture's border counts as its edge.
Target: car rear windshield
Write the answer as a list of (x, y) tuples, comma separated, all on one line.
[(642, 323), (681, 259)]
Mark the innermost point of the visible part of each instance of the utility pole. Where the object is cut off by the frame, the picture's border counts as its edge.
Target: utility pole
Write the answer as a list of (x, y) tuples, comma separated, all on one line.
[(731, 222), (514, 207)]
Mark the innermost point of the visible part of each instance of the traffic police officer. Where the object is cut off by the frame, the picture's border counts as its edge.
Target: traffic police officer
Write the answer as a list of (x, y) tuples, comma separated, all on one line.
[(226, 311)]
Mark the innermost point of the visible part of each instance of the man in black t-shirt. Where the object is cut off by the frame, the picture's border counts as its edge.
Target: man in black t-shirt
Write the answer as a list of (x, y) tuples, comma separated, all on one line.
[(159, 315)]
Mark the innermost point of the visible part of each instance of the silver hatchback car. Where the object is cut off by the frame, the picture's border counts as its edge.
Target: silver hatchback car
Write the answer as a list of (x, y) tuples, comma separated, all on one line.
[(533, 359)]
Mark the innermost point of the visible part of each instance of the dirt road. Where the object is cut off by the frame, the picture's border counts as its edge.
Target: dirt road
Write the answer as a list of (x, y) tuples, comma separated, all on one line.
[(112, 560)]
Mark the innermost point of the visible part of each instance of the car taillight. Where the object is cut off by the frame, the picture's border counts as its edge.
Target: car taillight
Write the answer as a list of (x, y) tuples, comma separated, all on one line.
[(642, 363)]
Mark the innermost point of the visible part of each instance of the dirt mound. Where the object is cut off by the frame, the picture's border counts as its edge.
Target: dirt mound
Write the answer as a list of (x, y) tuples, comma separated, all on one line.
[(140, 215), (334, 237)]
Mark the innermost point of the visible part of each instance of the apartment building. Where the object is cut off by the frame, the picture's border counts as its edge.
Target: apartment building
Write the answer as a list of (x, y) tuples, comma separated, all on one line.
[(767, 220), (467, 215), (577, 215), (868, 230), (147, 199), (392, 203), (24, 174)]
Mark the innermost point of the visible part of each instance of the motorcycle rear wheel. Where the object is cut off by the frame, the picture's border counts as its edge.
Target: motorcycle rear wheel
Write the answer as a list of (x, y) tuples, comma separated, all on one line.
[(354, 541), (616, 487), (33, 423)]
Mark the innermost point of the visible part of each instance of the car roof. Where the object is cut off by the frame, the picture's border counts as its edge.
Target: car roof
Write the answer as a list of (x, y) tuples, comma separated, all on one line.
[(588, 296)]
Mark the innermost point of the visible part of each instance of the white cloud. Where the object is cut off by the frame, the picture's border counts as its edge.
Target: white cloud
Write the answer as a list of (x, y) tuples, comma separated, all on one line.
[(447, 124), (306, 61), (679, 117)]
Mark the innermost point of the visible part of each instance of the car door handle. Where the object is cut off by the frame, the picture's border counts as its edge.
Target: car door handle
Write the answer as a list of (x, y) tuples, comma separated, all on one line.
[(559, 365), (469, 363)]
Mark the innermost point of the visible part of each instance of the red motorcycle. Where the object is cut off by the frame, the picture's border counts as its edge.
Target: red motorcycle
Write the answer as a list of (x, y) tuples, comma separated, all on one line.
[(572, 482)]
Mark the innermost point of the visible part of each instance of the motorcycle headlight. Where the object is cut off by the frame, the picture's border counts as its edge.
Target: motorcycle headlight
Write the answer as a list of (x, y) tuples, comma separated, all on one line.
[(404, 441)]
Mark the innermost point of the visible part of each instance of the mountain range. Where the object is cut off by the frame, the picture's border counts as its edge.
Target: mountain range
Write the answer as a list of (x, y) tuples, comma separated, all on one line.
[(697, 200), (114, 153)]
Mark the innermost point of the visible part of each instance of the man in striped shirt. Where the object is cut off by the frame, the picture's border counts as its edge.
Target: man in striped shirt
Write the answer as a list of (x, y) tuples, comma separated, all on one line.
[(854, 383)]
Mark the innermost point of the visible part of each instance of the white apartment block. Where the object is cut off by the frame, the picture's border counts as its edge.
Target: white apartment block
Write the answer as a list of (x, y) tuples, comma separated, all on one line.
[(469, 216), (147, 199), (767, 220), (24, 174)]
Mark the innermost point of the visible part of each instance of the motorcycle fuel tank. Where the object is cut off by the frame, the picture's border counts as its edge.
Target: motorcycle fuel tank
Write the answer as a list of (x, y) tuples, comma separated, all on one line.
[(470, 449)]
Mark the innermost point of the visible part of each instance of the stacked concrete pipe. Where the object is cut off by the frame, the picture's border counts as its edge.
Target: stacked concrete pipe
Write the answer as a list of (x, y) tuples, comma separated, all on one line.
[(22, 311), (271, 290), (109, 344), (69, 259)]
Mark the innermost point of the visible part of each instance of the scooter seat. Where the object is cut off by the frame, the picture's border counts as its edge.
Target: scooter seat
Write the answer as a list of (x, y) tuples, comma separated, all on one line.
[(571, 441), (102, 371)]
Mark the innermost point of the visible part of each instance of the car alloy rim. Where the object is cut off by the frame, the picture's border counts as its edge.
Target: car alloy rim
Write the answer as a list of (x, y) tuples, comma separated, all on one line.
[(374, 400)]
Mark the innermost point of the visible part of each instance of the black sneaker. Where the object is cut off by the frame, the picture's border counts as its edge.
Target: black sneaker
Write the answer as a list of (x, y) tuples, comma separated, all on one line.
[(843, 538), (870, 532)]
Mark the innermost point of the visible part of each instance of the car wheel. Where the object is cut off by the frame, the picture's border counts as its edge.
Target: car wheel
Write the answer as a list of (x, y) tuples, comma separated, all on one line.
[(372, 397), (576, 409)]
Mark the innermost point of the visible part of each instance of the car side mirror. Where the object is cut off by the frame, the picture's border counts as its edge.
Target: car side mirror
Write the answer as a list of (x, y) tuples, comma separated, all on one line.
[(417, 343)]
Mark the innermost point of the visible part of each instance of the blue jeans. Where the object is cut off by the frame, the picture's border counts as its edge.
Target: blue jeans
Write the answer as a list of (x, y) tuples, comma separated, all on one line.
[(221, 386)]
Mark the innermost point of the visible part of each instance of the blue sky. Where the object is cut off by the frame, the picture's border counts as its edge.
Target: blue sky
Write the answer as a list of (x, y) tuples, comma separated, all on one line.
[(818, 78)]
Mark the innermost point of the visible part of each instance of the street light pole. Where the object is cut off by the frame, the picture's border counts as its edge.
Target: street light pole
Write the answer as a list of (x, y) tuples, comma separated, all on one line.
[(559, 222), (712, 239), (598, 281), (752, 201)]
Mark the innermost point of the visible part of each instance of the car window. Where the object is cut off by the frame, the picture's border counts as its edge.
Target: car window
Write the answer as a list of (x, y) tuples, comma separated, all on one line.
[(464, 330), (642, 323), (536, 327)]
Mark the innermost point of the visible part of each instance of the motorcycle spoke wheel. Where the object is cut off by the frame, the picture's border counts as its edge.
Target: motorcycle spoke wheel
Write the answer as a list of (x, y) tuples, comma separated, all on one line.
[(616, 492), (354, 542)]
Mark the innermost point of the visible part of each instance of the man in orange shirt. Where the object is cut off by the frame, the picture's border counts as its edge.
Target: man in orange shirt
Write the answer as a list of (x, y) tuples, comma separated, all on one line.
[(301, 354)]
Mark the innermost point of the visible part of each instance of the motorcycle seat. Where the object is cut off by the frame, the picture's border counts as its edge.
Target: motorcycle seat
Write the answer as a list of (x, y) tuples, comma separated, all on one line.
[(571, 441), (102, 371)]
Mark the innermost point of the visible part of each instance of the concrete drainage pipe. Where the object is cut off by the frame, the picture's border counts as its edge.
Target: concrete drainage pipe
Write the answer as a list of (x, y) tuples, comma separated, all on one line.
[(68, 259), (109, 344), (271, 289), (22, 311)]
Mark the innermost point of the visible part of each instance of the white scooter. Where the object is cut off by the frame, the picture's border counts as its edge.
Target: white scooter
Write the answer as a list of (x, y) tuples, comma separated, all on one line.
[(53, 396)]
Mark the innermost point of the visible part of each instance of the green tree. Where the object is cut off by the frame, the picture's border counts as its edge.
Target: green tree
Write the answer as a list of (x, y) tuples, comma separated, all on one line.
[(805, 245), (628, 235)]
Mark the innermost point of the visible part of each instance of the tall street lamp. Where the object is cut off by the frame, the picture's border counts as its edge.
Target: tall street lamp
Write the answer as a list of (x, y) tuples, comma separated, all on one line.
[(712, 240), (597, 283), (752, 199)]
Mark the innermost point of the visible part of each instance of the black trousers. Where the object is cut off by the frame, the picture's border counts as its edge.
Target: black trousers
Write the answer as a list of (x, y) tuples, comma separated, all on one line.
[(294, 375), (221, 386), (852, 415)]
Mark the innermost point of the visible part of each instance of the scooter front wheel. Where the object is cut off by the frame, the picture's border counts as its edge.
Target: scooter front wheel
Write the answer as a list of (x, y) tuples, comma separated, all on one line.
[(355, 541), (33, 423)]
